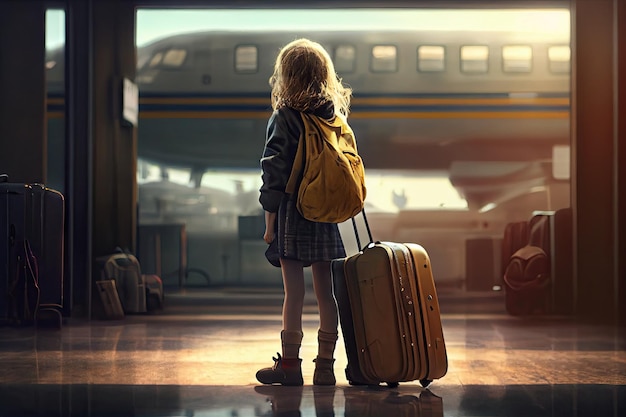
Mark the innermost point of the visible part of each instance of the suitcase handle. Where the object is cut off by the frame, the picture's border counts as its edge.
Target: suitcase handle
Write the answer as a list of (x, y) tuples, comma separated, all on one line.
[(367, 227)]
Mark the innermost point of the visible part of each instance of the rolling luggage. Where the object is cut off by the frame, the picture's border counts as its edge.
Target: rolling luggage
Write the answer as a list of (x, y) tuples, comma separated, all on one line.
[(389, 314), (31, 227), (47, 241)]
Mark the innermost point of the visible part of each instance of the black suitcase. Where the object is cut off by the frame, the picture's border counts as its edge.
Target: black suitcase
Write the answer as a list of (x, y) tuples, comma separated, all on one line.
[(12, 201), (47, 242), (353, 371), (33, 214)]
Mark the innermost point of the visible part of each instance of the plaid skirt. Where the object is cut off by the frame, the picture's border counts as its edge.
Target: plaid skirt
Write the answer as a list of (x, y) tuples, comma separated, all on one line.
[(304, 240)]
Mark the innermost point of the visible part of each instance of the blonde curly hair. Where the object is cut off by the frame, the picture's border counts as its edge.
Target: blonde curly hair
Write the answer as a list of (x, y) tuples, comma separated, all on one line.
[(304, 78)]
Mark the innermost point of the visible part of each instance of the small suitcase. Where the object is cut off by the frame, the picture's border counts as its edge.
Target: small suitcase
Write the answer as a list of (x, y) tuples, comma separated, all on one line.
[(389, 314)]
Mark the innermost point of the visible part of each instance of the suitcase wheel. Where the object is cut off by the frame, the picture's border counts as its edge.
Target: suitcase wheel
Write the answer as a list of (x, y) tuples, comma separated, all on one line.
[(392, 384), (425, 382)]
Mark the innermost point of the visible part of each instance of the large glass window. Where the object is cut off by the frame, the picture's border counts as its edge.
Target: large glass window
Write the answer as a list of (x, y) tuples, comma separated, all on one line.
[(55, 101), (437, 150)]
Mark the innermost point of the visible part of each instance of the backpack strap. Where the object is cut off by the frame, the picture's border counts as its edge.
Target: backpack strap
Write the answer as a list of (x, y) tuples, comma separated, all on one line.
[(299, 161)]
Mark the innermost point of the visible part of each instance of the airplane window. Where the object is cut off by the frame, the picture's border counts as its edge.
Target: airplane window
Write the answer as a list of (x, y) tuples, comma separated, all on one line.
[(171, 58), (384, 58), (560, 58), (156, 60), (474, 58), (174, 57), (141, 60), (431, 58), (246, 58), (345, 57), (517, 58)]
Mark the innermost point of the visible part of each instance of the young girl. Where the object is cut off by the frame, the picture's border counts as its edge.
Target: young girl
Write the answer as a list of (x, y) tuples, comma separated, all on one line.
[(304, 80)]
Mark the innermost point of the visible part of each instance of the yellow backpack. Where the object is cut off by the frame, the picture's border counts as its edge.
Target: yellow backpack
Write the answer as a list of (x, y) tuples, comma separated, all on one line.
[(332, 185)]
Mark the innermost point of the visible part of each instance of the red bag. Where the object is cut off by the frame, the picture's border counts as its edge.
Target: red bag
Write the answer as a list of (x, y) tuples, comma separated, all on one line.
[(527, 281)]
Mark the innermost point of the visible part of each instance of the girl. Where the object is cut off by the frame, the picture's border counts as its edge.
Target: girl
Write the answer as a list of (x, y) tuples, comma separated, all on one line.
[(304, 80)]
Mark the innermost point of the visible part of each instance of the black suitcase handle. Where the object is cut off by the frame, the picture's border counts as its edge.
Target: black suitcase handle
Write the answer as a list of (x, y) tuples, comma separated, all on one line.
[(367, 227)]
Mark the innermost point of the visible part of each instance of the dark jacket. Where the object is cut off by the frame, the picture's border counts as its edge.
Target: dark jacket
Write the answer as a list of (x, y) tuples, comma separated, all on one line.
[(284, 129)]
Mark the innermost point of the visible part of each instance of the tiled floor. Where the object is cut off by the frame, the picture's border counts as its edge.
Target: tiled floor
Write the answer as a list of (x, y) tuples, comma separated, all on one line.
[(199, 356)]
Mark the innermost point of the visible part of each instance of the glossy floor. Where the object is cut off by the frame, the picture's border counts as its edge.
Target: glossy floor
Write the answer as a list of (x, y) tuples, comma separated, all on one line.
[(199, 356)]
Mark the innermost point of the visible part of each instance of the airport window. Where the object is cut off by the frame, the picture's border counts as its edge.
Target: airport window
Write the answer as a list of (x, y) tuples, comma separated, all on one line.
[(246, 58), (517, 58), (384, 58), (559, 58), (474, 59), (345, 58), (431, 58)]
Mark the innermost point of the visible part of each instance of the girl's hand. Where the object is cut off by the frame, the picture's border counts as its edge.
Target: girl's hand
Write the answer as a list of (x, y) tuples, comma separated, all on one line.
[(269, 236), (270, 229)]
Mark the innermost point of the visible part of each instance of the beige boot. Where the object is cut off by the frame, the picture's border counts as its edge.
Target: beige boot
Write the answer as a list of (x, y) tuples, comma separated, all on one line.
[(286, 370), (324, 373)]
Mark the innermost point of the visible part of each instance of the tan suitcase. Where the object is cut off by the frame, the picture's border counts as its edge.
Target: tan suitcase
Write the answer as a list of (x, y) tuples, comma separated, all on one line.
[(389, 314)]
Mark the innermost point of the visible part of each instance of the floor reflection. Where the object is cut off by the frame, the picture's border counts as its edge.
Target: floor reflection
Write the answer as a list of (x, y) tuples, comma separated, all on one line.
[(274, 401)]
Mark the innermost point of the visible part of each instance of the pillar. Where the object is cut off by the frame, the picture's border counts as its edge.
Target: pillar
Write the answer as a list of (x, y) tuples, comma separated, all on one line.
[(102, 151), (597, 158)]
